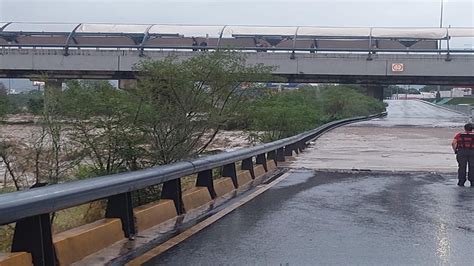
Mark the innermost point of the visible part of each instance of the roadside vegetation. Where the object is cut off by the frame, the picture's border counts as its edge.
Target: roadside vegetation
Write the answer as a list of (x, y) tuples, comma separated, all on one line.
[(278, 115), (466, 100), (175, 112), (91, 129)]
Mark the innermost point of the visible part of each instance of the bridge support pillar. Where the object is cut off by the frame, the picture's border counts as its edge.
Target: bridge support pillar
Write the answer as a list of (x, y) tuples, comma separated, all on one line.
[(52, 87), (125, 84), (375, 91)]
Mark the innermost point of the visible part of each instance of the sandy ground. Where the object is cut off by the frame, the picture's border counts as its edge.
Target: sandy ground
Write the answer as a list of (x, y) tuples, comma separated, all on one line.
[(24, 134), (230, 140)]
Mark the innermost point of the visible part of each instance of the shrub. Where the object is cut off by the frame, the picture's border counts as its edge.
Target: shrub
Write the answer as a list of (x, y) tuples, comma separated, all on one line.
[(275, 116)]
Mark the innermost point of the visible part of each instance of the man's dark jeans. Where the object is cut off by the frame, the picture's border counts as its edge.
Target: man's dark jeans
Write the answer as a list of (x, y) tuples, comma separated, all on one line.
[(465, 158)]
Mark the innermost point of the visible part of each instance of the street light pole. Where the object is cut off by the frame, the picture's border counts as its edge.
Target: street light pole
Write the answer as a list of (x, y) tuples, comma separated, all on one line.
[(438, 94), (441, 14)]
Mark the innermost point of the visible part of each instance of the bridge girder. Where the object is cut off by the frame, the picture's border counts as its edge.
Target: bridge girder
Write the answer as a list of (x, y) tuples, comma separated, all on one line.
[(300, 67)]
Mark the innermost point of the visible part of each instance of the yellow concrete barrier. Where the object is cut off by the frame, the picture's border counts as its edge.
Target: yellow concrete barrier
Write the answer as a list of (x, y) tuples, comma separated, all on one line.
[(271, 165), (258, 170), (154, 213), (77, 243), (243, 177), (196, 197), (16, 259), (223, 186)]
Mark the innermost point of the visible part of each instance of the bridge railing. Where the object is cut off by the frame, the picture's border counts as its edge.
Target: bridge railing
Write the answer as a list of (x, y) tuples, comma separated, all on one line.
[(292, 38), (31, 209), (243, 48)]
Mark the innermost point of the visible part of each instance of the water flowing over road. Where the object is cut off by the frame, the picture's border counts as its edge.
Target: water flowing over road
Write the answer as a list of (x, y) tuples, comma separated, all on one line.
[(407, 210), (415, 136)]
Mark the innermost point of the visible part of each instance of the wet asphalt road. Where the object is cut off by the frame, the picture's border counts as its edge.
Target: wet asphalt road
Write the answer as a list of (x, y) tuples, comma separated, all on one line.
[(318, 217), (410, 113)]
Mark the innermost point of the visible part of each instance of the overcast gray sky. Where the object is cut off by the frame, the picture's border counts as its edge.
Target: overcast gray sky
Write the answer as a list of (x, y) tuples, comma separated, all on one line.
[(256, 12)]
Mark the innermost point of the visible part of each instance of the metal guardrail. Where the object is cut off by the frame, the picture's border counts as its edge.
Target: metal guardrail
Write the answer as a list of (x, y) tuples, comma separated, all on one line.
[(31, 209), (464, 109)]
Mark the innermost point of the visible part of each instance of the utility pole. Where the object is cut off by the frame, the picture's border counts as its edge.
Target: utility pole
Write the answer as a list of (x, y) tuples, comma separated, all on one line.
[(441, 14), (407, 88), (438, 94)]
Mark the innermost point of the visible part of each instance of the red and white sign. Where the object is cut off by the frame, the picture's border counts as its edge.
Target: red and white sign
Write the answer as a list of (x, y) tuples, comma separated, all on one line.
[(398, 67)]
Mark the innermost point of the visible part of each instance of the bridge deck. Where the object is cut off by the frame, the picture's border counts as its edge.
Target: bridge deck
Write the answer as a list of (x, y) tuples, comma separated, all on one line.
[(333, 67), (343, 217)]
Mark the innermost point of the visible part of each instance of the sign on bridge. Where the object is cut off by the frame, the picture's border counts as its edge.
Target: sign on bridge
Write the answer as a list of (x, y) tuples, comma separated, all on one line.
[(398, 67)]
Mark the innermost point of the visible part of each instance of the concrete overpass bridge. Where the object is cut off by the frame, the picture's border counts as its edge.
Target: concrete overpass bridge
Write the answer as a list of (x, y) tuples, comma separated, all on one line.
[(348, 67), (376, 56), (375, 192)]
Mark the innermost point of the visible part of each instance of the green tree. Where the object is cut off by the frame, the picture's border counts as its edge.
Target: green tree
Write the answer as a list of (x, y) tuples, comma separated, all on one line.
[(276, 116), (341, 102), (103, 124), (54, 154), (287, 113), (185, 104), (35, 102), (4, 103)]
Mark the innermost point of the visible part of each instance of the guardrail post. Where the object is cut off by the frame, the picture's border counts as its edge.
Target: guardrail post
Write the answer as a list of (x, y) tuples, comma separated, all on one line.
[(33, 235), (121, 206), (295, 148), (289, 150), (247, 164), (204, 179), (280, 155), (271, 155), (229, 171), (262, 160), (172, 190), (301, 145)]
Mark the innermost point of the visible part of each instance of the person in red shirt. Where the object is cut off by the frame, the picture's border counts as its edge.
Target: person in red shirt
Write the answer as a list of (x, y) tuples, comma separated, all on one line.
[(463, 147)]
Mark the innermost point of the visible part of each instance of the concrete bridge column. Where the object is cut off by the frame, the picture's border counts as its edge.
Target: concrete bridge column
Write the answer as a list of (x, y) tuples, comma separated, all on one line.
[(125, 84), (375, 91), (51, 88)]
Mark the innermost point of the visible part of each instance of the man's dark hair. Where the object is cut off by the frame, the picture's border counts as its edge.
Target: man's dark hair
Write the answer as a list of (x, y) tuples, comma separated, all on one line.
[(468, 127)]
